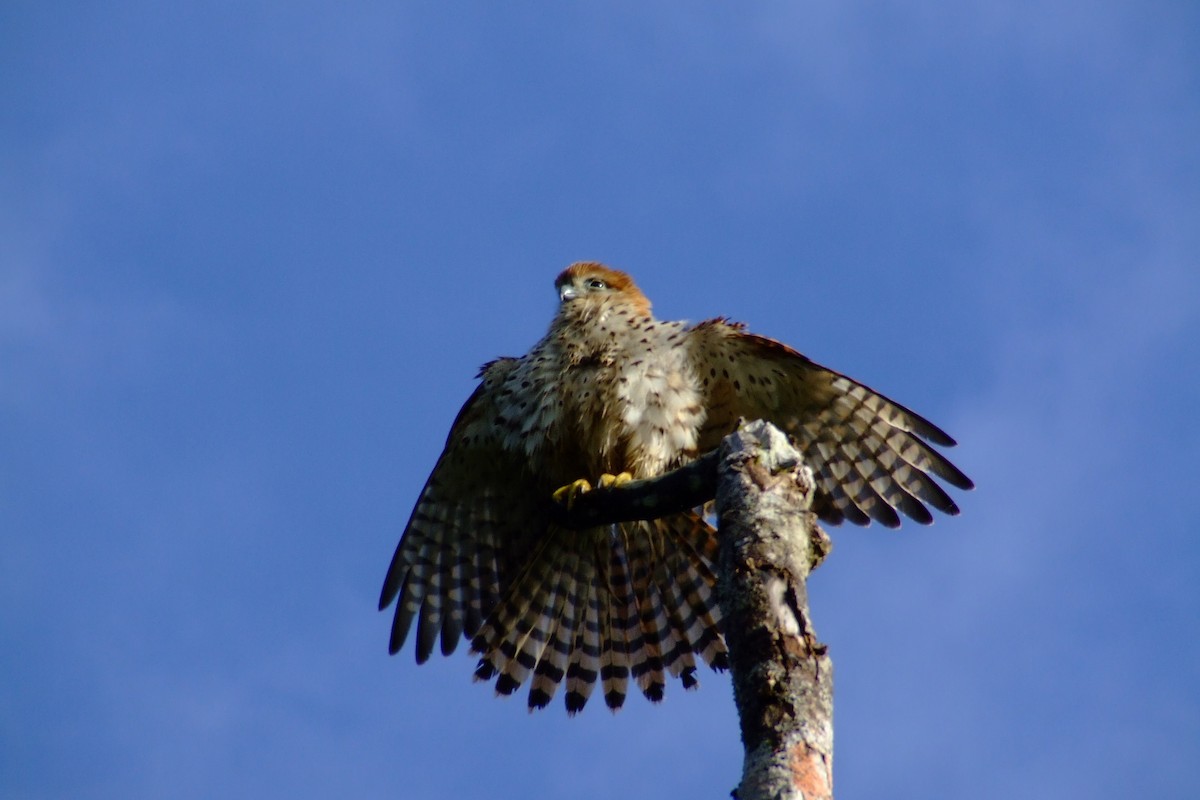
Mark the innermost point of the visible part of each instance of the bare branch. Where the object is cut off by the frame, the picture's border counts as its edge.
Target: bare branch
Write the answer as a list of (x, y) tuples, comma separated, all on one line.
[(690, 486), (782, 676)]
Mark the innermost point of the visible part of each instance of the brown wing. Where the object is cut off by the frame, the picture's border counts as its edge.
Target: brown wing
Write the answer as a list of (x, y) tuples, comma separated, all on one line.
[(871, 456), (473, 526)]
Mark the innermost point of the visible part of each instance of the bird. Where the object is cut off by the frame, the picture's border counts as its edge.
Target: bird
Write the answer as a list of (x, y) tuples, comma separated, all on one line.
[(611, 394)]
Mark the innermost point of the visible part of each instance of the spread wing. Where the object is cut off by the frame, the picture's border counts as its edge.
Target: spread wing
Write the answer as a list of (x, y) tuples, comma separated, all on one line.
[(872, 456), (472, 528)]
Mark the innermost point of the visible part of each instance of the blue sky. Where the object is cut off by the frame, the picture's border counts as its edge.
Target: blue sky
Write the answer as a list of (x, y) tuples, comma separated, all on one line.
[(252, 254)]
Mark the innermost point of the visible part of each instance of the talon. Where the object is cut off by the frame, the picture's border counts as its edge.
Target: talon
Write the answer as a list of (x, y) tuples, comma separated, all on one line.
[(566, 495), (608, 481)]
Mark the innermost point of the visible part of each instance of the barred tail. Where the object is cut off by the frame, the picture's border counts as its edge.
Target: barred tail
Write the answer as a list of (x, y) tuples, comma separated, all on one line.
[(635, 600)]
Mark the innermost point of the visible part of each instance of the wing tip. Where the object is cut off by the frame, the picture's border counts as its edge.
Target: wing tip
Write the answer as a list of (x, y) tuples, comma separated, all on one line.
[(388, 594), (398, 634), (936, 435)]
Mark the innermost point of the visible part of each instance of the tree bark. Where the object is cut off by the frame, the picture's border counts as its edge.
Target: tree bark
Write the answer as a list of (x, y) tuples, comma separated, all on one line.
[(782, 676)]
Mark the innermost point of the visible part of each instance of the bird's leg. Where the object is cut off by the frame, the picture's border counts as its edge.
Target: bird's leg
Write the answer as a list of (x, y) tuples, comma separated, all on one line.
[(566, 495), (608, 481)]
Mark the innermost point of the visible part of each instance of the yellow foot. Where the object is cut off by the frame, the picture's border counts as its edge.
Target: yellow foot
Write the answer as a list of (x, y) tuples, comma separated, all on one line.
[(566, 495), (608, 481)]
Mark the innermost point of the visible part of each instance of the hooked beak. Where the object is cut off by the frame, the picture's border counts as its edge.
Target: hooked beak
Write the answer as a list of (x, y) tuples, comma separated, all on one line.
[(567, 292)]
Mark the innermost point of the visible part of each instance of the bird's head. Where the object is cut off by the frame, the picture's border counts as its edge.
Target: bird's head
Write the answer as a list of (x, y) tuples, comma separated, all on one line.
[(590, 287)]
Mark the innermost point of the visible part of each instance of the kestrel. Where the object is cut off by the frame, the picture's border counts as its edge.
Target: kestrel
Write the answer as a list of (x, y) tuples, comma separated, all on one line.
[(612, 391)]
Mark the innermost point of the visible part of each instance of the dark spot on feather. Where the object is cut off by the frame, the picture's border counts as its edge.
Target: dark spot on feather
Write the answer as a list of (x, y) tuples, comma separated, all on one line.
[(575, 702)]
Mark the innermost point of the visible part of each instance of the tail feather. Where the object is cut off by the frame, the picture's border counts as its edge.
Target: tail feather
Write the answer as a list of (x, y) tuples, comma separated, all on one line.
[(584, 668), (654, 632), (495, 638), (692, 585), (604, 605), (527, 640), (564, 619), (620, 635), (680, 660)]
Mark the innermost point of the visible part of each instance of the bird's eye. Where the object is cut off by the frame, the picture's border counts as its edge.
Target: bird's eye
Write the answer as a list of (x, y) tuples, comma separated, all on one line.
[(596, 283)]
